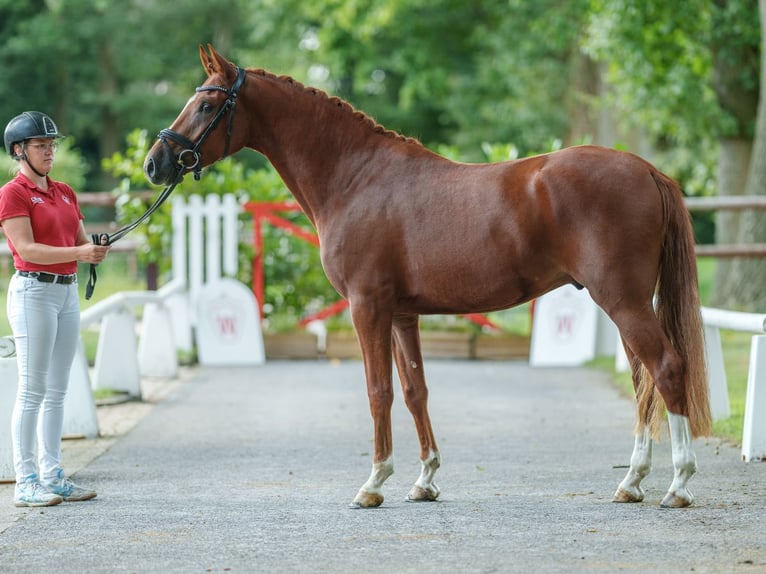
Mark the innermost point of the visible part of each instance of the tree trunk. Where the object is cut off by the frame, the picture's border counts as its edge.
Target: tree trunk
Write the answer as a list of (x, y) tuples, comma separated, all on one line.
[(109, 129), (750, 273), (733, 167)]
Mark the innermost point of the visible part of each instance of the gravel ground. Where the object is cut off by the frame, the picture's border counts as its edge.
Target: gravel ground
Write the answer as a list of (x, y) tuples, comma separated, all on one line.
[(253, 469)]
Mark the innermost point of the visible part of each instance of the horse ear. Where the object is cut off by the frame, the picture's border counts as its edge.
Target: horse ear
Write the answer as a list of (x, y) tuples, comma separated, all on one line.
[(207, 61), (215, 63)]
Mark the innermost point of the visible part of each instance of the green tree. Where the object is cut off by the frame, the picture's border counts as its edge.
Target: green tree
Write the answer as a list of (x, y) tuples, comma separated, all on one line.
[(102, 68), (691, 82), (749, 275), (450, 72)]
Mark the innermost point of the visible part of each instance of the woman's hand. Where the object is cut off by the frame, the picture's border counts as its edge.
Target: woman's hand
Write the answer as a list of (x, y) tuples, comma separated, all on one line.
[(91, 253)]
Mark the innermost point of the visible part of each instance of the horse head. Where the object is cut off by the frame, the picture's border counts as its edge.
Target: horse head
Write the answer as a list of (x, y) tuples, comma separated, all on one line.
[(204, 132)]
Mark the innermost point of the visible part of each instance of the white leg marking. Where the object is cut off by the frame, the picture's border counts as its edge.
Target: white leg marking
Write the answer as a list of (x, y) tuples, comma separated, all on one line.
[(371, 493), (640, 465), (424, 488), (684, 462), (380, 472)]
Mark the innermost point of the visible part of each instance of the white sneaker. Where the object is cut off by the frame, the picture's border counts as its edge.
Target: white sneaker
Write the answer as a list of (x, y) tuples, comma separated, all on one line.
[(29, 492), (68, 490)]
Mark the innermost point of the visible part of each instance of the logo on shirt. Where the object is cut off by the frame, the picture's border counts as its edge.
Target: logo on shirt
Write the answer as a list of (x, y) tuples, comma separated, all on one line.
[(36, 199)]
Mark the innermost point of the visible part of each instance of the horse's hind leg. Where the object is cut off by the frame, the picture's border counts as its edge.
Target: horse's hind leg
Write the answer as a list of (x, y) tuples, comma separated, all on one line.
[(684, 463), (409, 364), (630, 489), (648, 342)]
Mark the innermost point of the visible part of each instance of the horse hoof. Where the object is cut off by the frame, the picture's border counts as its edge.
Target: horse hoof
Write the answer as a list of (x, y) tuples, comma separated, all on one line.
[(625, 496), (420, 494), (676, 500), (366, 500)]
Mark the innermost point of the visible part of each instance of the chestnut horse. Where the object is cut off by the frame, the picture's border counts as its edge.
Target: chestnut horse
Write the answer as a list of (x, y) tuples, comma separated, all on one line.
[(405, 232)]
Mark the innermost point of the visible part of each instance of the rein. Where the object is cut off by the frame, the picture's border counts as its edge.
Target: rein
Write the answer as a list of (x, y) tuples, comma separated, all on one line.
[(188, 148)]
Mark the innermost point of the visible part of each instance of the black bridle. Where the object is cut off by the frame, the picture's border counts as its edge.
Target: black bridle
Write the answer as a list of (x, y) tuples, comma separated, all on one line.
[(189, 148)]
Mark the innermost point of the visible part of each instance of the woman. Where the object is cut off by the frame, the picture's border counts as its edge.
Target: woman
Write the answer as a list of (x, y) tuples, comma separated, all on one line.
[(43, 224)]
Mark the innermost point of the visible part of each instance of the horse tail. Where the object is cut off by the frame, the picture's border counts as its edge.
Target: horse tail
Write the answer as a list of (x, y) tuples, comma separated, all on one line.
[(678, 310)]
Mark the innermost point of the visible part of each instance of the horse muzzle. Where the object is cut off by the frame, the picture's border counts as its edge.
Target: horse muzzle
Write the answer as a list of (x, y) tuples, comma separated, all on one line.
[(162, 167), (153, 171)]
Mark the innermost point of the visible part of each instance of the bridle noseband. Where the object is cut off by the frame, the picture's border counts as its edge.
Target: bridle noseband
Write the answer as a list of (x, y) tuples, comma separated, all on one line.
[(191, 148)]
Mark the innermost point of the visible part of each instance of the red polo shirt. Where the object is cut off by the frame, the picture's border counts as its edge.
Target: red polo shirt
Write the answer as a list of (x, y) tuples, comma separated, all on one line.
[(54, 214)]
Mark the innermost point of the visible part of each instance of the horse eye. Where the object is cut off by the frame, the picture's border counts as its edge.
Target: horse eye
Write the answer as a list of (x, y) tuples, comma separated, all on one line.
[(205, 108)]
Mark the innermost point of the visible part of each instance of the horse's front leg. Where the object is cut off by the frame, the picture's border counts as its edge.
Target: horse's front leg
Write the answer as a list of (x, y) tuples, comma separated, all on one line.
[(373, 328), (409, 364)]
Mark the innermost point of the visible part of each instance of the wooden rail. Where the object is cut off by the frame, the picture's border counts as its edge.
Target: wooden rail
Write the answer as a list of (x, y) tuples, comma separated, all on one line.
[(728, 203)]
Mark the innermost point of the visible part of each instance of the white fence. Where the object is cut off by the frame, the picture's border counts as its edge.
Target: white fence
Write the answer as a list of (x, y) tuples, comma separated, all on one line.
[(754, 427), (223, 312), (205, 240)]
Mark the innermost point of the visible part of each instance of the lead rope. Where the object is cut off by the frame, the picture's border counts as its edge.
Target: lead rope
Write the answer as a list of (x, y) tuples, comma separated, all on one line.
[(106, 239)]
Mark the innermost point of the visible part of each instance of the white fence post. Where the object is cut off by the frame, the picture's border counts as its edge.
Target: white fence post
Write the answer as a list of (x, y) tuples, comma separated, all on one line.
[(179, 266), (717, 385), (196, 249), (754, 424), (230, 210), (212, 253), (754, 432)]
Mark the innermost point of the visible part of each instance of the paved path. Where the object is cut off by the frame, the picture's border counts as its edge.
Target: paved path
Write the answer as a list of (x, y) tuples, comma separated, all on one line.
[(252, 470)]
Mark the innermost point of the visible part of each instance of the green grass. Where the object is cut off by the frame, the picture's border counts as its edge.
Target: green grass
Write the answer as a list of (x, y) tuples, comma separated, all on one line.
[(736, 358)]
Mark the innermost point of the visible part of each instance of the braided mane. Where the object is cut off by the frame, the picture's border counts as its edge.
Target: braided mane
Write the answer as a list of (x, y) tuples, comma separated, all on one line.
[(338, 102)]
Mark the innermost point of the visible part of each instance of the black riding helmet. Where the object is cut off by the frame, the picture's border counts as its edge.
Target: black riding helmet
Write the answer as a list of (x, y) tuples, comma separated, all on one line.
[(28, 125)]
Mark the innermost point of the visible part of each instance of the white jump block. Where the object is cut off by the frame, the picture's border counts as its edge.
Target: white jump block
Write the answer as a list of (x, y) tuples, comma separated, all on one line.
[(9, 375), (228, 325), (80, 417), (157, 348), (754, 428), (180, 316), (564, 328), (116, 365)]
